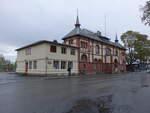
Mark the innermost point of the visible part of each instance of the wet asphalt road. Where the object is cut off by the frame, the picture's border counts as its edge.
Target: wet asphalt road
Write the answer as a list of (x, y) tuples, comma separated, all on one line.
[(130, 92)]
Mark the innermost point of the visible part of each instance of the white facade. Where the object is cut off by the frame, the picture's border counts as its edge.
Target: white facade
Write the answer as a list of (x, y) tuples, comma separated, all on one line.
[(44, 59)]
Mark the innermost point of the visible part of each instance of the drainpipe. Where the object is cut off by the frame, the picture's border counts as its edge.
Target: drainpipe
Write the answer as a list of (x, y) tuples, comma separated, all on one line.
[(46, 58), (25, 67)]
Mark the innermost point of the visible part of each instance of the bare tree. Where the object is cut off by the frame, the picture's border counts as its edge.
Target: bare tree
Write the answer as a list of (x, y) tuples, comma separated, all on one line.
[(146, 13)]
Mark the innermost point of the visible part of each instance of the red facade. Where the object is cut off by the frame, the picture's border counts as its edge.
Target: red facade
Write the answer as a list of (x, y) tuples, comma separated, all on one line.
[(87, 62)]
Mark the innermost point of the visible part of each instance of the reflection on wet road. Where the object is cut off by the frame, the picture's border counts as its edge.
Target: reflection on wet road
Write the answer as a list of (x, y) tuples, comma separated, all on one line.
[(130, 92)]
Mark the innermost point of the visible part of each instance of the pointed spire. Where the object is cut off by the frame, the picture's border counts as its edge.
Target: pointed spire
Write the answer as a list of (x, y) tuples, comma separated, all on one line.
[(77, 21), (116, 40)]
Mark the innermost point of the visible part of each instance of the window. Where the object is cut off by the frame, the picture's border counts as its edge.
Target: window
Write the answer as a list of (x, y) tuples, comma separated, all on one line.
[(73, 52), (100, 60), (30, 64), (34, 64), (56, 64), (63, 50), (63, 64), (70, 64), (84, 57), (83, 44), (28, 51), (70, 41), (97, 49), (95, 60), (123, 53), (53, 49), (116, 53), (107, 51)]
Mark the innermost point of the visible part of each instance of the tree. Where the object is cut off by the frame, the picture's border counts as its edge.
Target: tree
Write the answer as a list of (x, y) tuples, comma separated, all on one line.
[(129, 39), (146, 13), (141, 47), (6, 65), (2, 59), (137, 46)]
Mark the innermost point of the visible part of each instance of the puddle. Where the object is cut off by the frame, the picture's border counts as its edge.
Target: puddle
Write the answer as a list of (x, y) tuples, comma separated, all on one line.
[(98, 105), (144, 85)]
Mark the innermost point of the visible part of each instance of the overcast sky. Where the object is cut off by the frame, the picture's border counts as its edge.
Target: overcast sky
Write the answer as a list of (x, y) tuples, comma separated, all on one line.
[(25, 21)]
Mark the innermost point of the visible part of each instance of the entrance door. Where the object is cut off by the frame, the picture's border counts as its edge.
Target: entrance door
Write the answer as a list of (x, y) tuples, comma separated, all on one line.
[(26, 67), (116, 65)]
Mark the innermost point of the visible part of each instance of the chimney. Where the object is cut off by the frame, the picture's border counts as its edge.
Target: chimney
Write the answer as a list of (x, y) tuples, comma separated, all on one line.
[(55, 41), (98, 33)]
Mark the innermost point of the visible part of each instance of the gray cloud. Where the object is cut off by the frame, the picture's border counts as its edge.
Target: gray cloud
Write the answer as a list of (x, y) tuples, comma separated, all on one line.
[(25, 21)]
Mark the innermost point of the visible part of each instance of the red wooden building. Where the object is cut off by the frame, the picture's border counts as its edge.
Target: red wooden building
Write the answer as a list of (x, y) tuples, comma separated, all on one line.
[(97, 53)]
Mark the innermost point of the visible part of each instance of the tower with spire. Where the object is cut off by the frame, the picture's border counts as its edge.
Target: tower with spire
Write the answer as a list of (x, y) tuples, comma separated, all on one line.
[(77, 21), (116, 40)]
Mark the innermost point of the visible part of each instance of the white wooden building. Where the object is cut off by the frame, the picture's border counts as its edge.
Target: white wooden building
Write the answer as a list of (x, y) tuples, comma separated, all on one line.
[(46, 58)]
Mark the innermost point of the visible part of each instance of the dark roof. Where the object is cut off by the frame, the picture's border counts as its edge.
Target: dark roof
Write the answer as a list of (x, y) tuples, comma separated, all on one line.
[(43, 41), (77, 31)]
